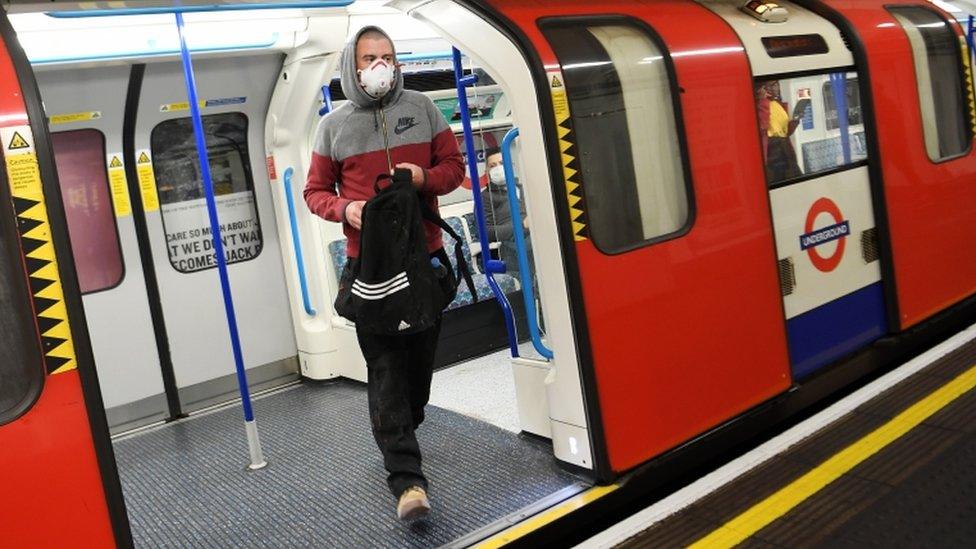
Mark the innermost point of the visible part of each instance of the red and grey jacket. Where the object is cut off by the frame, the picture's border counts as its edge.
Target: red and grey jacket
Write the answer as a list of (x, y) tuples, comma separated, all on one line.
[(349, 151)]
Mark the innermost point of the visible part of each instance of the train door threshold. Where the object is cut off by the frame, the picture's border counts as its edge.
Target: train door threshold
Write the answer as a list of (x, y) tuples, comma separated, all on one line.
[(185, 484)]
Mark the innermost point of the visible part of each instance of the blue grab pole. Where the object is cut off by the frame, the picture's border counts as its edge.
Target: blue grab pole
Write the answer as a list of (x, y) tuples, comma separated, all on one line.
[(491, 266), (254, 443), (523, 258), (296, 241), (838, 82)]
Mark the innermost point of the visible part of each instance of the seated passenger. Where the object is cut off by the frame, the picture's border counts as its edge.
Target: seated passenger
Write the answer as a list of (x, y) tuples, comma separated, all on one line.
[(498, 213), (776, 126)]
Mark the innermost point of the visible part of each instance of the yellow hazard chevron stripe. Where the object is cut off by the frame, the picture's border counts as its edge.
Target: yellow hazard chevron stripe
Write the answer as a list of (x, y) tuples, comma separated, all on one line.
[(567, 150), (39, 256), (968, 72)]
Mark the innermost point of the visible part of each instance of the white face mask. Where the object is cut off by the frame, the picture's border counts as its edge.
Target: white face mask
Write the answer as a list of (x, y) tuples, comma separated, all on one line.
[(378, 78), (497, 175)]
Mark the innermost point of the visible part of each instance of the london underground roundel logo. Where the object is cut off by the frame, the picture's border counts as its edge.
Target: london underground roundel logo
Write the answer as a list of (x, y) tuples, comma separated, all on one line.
[(814, 238)]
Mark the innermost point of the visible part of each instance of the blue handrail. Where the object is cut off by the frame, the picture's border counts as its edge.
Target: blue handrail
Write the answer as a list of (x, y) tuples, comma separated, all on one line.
[(525, 276), (970, 31), (491, 266), (296, 242), (326, 101)]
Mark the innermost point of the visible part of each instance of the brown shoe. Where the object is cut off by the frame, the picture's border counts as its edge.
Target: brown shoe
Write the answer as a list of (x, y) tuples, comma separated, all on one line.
[(413, 504)]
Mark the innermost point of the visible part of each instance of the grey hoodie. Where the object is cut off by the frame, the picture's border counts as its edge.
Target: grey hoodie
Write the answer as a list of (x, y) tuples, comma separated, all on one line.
[(349, 151)]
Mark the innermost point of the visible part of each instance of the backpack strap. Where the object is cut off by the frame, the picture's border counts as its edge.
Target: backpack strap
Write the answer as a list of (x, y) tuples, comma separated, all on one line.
[(462, 265)]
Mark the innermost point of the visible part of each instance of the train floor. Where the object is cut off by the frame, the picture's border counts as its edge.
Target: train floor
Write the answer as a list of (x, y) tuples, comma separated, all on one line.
[(185, 483), (888, 468)]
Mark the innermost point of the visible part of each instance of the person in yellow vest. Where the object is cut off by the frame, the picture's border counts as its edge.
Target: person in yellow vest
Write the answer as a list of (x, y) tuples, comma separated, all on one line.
[(776, 126)]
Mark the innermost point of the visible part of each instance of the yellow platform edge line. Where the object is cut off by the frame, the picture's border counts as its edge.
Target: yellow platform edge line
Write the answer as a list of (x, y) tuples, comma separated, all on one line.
[(535, 522), (778, 504)]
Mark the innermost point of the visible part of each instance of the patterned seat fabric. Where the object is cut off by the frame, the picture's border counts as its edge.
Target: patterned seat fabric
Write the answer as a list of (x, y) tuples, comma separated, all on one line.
[(507, 283), (472, 226), (337, 249)]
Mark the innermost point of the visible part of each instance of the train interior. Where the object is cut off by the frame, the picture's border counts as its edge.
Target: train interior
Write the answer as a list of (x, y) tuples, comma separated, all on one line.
[(153, 302)]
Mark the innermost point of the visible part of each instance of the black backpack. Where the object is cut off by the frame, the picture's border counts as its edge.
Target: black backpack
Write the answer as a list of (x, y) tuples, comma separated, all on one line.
[(394, 287)]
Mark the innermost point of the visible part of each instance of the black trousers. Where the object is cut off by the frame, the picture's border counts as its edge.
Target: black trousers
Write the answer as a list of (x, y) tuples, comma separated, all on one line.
[(399, 371)]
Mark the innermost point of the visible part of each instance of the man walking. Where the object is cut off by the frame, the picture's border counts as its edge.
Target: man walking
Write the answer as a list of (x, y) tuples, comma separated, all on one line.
[(383, 126)]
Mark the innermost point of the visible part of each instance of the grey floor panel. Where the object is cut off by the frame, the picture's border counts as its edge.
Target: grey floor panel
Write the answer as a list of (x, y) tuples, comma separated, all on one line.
[(185, 483)]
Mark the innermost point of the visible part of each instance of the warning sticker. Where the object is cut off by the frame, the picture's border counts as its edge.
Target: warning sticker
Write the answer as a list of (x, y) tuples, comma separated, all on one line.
[(564, 127), (22, 168), (117, 183), (181, 106), (75, 117), (18, 142), (147, 181), (218, 102), (35, 234)]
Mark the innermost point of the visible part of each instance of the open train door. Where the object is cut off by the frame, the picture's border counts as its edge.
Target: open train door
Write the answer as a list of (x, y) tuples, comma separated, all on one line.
[(669, 273), (57, 470)]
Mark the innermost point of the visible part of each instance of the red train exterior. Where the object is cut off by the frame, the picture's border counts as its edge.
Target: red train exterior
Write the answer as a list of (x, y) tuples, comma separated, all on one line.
[(677, 338), (929, 205), (50, 461)]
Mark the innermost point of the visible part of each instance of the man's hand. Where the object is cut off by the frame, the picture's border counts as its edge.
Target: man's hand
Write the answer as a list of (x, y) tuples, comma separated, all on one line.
[(354, 214), (416, 174)]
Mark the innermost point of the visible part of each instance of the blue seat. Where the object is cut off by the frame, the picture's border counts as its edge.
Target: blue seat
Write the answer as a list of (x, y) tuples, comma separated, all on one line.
[(508, 284)]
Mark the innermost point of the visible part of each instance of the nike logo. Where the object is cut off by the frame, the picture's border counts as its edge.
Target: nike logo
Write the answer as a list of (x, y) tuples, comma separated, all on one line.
[(404, 124)]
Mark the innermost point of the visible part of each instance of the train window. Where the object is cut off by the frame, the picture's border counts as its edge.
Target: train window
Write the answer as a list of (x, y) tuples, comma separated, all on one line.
[(623, 107), (181, 196), (795, 142), (942, 77), (21, 362), (80, 158)]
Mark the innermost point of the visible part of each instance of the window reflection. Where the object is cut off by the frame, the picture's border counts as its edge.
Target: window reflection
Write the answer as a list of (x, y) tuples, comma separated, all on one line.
[(809, 124), (80, 159)]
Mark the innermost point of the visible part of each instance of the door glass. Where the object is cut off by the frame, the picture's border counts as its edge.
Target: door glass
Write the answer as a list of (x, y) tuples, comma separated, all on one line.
[(80, 157), (181, 196), (942, 80), (622, 106), (810, 124)]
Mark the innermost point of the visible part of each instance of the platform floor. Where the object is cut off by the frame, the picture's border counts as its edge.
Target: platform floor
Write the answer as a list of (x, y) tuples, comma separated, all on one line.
[(185, 483), (896, 471)]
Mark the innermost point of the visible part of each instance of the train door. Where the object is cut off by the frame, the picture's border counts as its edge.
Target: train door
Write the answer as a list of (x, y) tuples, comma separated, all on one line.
[(674, 308), (58, 473), (85, 113), (811, 126), (235, 94)]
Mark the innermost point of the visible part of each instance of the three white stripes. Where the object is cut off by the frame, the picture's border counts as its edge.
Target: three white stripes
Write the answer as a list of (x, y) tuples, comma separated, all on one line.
[(380, 290)]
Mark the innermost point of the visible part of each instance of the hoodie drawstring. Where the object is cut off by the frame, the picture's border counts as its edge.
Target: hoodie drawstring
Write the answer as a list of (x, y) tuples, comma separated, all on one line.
[(386, 138)]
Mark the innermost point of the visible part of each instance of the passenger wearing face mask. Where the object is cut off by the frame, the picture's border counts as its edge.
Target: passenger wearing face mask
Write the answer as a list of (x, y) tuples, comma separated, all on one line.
[(383, 126), (498, 213)]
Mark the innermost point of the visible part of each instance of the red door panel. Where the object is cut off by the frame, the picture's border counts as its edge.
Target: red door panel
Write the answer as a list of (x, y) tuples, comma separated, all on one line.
[(689, 332), (930, 206), (52, 486)]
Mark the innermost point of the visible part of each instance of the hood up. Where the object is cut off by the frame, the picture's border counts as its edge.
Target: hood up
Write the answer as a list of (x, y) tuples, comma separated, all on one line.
[(349, 76)]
